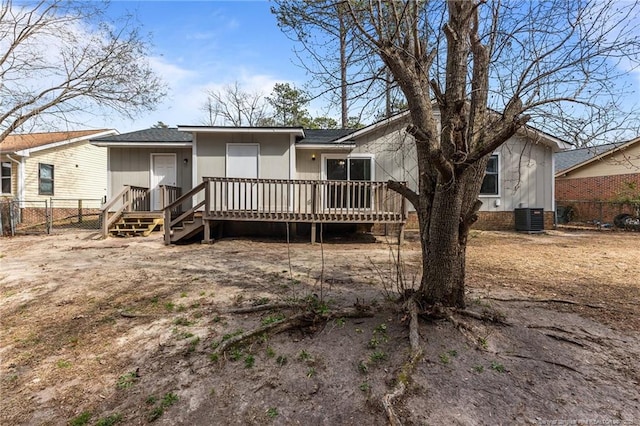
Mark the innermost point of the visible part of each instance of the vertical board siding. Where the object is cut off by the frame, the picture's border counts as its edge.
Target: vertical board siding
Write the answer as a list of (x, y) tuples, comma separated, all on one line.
[(132, 166)]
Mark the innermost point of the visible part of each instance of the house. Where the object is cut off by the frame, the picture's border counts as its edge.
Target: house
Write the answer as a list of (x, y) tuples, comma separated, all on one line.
[(41, 166), (306, 177), (595, 182)]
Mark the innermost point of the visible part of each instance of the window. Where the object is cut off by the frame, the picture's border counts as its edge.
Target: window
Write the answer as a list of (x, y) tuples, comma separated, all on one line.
[(45, 179), (6, 178), (348, 169), (490, 182)]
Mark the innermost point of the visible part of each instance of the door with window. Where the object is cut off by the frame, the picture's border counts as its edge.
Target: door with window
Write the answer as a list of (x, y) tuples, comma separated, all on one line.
[(351, 170), (242, 162), (163, 172)]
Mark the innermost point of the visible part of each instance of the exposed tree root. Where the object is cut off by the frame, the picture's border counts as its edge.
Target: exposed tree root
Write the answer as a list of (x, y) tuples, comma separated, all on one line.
[(557, 364), (494, 317), (301, 319), (408, 368), (562, 301)]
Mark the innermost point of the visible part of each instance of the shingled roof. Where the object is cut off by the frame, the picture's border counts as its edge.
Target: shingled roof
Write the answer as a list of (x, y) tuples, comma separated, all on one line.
[(324, 136), (18, 142), (152, 135), (570, 158)]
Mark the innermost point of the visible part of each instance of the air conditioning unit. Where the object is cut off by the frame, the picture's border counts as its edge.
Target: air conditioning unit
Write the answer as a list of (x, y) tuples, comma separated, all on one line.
[(529, 219)]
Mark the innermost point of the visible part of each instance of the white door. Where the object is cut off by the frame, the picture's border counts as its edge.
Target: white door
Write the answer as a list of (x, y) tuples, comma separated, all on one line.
[(163, 172), (242, 162)]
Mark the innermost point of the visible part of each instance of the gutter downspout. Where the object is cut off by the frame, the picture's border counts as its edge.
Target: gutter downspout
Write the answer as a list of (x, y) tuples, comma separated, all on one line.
[(20, 195)]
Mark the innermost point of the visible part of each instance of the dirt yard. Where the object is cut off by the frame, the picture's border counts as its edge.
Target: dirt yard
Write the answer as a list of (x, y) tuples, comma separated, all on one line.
[(122, 331)]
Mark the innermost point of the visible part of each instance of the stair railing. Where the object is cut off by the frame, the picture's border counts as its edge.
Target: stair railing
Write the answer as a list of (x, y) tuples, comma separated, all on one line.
[(132, 198), (169, 223)]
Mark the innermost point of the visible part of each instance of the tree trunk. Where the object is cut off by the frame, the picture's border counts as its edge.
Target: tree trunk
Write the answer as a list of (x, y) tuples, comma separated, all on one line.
[(453, 211)]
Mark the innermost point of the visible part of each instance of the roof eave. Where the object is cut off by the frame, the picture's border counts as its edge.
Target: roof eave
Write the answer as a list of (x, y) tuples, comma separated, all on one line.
[(273, 130)]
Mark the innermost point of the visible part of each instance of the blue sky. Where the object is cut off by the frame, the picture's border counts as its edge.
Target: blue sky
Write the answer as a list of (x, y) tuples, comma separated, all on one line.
[(201, 45)]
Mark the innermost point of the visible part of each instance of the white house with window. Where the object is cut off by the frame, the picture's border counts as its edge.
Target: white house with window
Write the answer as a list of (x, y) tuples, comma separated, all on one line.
[(63, 165)]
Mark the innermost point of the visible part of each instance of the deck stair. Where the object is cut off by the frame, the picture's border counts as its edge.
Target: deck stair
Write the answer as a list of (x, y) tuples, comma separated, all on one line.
[(187, 228), (133, 224)]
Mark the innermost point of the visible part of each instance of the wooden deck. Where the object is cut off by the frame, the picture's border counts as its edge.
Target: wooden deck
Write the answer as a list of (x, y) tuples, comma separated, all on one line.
[(217, 200), (279, 200)]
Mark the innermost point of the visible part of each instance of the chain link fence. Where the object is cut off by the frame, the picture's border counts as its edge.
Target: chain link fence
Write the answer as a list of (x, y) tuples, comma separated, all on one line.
[(19, 217)]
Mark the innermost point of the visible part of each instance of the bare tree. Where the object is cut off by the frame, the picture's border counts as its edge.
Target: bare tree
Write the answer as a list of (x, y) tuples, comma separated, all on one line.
[(475, 72), (59, 58), (235, 107)]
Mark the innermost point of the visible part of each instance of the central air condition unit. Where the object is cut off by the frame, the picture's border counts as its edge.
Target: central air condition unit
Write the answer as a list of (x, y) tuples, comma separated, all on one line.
[(529, 219)]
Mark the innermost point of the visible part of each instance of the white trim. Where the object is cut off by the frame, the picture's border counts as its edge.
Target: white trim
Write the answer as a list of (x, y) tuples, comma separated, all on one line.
[(151, 172), (11, 162), (553, 189), (328, 146), (499, 194), (109, 175), (324, 157), (27, 151), (194, 162), (226, 156), (276, 130)]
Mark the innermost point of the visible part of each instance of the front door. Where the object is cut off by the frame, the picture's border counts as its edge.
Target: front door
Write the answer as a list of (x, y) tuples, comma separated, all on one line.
[(163, 172), (242, 162)]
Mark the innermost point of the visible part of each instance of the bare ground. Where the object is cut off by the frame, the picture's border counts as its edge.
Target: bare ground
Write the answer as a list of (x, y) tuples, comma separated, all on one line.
[(123, 330)]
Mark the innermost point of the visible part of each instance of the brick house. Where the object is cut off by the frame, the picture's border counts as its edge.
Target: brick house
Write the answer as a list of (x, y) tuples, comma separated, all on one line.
[(598, 182)]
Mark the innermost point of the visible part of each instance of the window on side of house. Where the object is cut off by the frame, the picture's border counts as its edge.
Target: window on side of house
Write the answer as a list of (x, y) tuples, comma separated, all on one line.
[(491, 177), (5, 177), (45, 179)]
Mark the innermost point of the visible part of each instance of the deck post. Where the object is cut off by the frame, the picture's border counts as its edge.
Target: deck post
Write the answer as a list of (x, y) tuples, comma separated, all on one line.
[(207, 231), (313, 232), (166, 225)]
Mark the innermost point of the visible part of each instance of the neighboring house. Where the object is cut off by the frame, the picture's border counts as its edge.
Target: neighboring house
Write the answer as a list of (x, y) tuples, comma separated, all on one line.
[(604, 173), (283, 174), (41, 166)]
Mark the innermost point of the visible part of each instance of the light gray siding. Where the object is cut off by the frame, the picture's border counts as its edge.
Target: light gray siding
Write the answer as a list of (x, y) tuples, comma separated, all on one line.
[(132, 166), (273, 161)]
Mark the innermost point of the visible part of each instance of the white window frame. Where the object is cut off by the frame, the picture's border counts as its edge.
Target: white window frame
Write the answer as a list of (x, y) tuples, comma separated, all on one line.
[(9, 178), (499, 174), (53, 179), (346, 157)]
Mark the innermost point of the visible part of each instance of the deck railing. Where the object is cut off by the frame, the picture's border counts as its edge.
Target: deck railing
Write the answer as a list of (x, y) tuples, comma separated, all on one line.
[(168, 195), (129, 199)]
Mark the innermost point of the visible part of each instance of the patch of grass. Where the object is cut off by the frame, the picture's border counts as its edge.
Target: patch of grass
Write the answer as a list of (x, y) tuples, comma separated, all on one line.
[(109, 420), (496, 366), (150, 400), (340, 322), (304, 356), (281, 360), (311, 372), (193, 343), (183, 294), (167, 401), (272, 413), (169, 306), (181, 308), (483, 342), (214, 357), (478, 368), (272, 318), (364, 387), (182, 321), (127, 380), (362, 367), (270, 352), (444, 358), (235, 354), (61, 363), (378, 356), (249, 361), (81, 419)]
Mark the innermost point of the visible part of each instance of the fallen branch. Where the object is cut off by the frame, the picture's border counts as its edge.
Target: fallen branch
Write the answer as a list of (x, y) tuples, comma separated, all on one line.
[(260, 308), (298, 320)]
